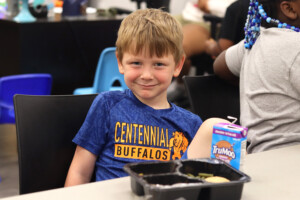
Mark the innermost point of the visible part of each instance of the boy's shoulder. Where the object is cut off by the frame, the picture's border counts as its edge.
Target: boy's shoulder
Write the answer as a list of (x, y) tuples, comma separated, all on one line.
[(112, 94), (185, 113), (111, 97)]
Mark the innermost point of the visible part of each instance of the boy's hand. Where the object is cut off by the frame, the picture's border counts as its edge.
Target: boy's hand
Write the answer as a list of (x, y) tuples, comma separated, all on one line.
[(203, 5)]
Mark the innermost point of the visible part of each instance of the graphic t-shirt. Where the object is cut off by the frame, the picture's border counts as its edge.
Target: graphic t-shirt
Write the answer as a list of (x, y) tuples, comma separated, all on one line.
[(120, 129)]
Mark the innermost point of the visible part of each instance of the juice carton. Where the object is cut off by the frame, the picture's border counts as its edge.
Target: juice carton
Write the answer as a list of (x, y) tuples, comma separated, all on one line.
[(229, 143)]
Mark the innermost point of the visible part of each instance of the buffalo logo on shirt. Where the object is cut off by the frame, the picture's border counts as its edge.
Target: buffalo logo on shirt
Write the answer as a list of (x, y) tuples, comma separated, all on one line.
[(146, 142), (179, 143)]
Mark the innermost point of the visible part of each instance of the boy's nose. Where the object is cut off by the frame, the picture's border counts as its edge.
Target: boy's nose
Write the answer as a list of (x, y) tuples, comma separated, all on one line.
[(146, 74)]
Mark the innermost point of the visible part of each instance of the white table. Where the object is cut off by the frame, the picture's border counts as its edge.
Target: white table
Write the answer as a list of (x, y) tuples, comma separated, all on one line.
[(275, 175)]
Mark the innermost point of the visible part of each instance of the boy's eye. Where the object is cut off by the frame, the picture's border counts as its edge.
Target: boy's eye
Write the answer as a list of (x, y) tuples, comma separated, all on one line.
[(159, 64), (135, 63)]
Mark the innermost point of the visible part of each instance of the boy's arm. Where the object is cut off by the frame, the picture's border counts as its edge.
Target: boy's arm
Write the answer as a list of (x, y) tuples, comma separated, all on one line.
[(200, 146), (221, 69), (81, 168)]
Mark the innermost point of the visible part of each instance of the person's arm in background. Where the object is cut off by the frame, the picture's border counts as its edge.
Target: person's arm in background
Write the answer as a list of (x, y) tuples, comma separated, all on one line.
[(203, 5), (236, 15), (214, 48), (232, 28), (221, 69)]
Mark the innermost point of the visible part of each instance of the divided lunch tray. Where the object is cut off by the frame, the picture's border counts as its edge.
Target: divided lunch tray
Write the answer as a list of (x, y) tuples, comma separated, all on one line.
[(172, 180)]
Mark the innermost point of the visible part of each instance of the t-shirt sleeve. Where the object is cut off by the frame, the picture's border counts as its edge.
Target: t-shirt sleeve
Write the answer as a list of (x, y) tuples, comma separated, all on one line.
[(93, 133), (234, 58), (197, 122)]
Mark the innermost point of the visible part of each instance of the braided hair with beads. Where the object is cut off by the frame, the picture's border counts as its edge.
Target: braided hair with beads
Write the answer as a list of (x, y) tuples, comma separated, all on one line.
[(257, 16)]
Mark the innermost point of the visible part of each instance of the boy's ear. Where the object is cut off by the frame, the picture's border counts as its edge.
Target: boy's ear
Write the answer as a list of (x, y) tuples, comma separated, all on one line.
[(288, 9), (120, 66), (179, 66)]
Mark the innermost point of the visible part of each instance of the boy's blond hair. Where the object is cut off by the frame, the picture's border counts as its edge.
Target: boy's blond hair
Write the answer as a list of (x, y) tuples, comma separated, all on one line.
[(153, 29)]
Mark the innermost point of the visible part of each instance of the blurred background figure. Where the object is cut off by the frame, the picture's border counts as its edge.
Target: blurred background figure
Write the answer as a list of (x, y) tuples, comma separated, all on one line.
[(165, 4), (74, 7), (232, 29), (12, 7), (3, 9), (94, 3), (198, 39)]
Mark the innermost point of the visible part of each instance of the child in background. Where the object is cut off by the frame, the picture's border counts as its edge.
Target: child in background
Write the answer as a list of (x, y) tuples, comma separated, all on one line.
[(139, 124), (196, 32), (232, 28), (267, 64)]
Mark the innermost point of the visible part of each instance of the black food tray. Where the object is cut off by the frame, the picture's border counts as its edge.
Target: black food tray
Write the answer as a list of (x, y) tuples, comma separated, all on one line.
[(171, 180)]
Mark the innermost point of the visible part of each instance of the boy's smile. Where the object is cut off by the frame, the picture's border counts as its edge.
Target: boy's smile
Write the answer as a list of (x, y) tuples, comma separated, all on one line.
[(149, 77)]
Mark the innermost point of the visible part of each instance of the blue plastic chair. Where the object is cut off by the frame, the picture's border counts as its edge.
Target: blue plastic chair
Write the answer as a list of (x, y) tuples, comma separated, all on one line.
[(107, 77), (24, 15), (31, 84)]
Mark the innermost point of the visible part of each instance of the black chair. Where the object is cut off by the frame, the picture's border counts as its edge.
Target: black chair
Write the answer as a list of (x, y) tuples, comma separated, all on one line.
[(45, 127), (215, 23), (211, 96)]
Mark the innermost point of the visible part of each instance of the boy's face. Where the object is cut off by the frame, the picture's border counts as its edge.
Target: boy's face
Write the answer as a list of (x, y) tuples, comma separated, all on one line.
[(149, 77)]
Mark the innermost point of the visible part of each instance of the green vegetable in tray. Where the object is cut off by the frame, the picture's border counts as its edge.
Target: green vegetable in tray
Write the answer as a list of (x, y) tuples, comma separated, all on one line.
[(190, 175), (209, 177), (200, 175), (205, 175)]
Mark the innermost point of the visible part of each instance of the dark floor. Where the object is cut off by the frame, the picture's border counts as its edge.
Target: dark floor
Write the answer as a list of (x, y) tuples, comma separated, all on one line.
[(9, 185)]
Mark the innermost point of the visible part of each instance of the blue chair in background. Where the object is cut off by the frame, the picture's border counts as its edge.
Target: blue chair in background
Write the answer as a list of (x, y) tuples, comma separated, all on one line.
[(31, 84), (24, 15), (107, 77)]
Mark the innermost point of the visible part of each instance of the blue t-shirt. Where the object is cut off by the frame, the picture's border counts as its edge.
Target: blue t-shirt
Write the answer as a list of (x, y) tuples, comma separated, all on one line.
[(120, 129)]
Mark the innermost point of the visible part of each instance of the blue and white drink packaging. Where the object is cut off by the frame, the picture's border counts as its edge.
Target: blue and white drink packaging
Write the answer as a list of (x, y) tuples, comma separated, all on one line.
[(229, 143)]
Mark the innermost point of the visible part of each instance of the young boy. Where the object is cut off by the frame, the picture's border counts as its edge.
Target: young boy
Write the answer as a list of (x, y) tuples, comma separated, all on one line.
[(138, 124)]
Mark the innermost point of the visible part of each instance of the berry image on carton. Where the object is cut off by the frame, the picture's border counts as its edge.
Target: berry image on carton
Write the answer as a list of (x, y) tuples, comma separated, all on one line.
[(229, 143)]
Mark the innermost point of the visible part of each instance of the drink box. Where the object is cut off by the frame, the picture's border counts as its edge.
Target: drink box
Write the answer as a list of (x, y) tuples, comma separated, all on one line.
[(229, 143)]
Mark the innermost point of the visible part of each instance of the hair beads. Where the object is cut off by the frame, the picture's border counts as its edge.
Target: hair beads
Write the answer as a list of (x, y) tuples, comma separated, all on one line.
[(256, 13)]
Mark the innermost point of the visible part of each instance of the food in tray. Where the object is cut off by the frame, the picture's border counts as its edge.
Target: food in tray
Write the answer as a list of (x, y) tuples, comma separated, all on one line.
[(216, 179), (190, 179), (200, 175), (209, 177)]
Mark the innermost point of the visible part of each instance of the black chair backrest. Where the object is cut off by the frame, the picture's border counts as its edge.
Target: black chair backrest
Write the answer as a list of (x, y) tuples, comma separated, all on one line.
[(214, 22), (45, 127), (211, 96)]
